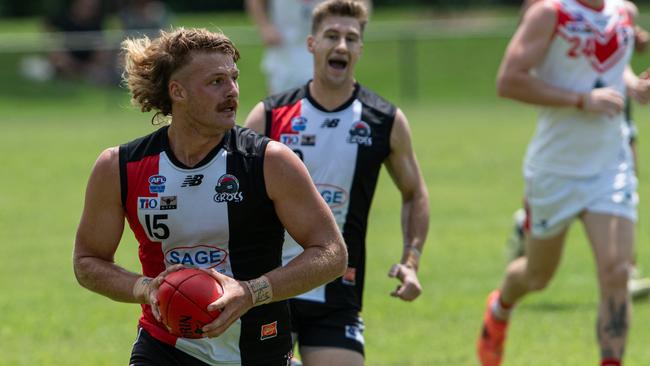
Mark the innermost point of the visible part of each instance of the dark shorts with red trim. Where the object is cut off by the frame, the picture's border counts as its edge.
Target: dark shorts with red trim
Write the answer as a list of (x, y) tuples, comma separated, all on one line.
[(148, 351)]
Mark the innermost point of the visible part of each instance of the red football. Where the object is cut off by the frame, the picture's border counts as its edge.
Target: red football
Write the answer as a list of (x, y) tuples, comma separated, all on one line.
[(183, 299)]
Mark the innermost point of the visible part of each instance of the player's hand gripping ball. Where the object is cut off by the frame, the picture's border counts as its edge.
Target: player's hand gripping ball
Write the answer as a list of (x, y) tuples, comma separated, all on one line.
[(183, 299)]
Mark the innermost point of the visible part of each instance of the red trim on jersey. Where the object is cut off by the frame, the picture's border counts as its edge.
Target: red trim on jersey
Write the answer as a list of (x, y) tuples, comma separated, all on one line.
[(149, 252), (281, 120), (563, 17), (605, 50), (628, 19), (602, 55)]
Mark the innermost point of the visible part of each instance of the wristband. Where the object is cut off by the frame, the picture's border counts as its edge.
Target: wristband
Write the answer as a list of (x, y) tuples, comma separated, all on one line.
[(412, 257), (261, 290)]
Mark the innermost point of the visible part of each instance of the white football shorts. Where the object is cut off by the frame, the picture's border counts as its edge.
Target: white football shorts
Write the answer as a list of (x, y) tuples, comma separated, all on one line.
[(555, 200)]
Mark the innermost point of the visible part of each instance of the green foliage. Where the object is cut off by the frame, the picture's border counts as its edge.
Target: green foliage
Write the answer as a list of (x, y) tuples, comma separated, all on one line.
[(469, 144)]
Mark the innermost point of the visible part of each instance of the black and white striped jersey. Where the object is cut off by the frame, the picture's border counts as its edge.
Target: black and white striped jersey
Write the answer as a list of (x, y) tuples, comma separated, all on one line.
[(343, 150), (218, 215)]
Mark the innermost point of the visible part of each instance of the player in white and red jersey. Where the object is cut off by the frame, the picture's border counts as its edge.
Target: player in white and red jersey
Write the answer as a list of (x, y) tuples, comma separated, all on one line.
[(571, 57), (204, 193), (638, 286), (344, 133)]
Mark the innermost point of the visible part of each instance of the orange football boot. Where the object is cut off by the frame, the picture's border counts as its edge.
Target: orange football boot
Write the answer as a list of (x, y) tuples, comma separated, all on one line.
[(493, 335)]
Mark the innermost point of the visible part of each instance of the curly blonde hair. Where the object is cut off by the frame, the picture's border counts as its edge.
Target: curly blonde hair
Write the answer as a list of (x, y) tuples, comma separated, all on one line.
[(148, 64)]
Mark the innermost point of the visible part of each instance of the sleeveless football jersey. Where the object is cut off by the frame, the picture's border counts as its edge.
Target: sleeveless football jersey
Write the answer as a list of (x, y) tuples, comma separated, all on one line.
[(214, 215), (590, 49), (343, 150)]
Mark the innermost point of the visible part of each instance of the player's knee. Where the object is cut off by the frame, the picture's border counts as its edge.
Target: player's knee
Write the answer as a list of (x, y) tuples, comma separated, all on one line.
[(614, 274)]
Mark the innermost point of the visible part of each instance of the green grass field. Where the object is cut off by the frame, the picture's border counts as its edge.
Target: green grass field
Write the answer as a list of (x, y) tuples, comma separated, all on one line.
[(470, 145)]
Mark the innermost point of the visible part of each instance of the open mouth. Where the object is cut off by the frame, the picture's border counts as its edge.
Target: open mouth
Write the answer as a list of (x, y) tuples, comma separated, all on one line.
[(337, 64), (227, 107)]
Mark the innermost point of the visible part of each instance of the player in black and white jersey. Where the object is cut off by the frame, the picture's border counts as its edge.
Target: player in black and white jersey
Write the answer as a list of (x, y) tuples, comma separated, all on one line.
[(201, 192), (344, 133)]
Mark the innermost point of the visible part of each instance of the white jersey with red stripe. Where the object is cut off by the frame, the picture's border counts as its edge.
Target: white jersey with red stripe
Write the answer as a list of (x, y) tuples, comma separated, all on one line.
[(589, 49), (213, 215)]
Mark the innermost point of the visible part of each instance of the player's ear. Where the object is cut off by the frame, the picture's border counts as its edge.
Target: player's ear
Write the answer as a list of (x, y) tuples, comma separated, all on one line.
[(176, 91), (310, 43)]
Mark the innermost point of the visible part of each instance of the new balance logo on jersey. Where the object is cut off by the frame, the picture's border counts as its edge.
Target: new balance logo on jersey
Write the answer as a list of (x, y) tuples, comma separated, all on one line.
[(192, 180), (330, 123)]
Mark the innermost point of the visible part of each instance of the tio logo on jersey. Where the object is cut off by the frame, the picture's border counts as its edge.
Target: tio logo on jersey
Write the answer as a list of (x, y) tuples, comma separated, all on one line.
[(228, 189), (290, 139)]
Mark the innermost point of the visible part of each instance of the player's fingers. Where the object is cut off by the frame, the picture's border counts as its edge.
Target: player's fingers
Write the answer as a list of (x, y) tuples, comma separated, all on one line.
[(174, 268), (219, 304), (393, 270), (155, 310), (395, 293), (409, 293), (219, 325)]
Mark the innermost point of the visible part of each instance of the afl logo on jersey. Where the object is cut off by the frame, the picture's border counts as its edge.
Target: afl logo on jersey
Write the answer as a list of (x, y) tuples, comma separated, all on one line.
[(200, 256), (360, 134), (298, 123), (157, 183), (228, 189)]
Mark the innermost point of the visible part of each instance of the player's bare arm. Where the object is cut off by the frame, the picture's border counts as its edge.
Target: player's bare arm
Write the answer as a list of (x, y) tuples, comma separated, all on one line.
[(638, 88), (256, 119), (405, 172), (100, 231), (99, 234), (308, 219), (640, 35), (258, 13), (526, 49)]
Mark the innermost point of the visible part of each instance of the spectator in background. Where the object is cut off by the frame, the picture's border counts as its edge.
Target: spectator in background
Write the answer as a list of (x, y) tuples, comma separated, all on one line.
[(284, 26), (82, 53), (143, 17)]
